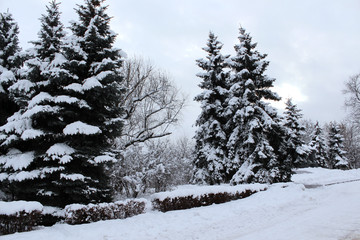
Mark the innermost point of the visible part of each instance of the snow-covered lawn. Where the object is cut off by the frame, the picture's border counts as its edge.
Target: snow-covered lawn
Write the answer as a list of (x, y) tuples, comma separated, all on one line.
[(284, 211)]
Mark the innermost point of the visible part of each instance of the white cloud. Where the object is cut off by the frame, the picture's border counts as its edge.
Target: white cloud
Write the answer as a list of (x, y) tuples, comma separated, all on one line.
[(286, 91)]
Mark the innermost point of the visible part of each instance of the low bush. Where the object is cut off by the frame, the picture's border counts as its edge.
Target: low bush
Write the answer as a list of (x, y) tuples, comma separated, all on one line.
[(191, 198), (77, 213), (51, 216), (19, 216)]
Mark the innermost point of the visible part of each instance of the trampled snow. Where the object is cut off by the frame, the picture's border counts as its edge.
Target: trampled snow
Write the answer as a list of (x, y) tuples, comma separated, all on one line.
[(283, 212)]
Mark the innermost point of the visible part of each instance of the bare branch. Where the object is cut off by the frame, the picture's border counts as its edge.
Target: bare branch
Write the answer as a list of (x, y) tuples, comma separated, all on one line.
[(152, 103)]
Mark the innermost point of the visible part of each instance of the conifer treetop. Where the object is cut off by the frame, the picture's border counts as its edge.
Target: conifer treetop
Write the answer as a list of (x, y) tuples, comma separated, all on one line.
[(51, 33), (213, 65), (250, 66), (292, 116), (9, 41)]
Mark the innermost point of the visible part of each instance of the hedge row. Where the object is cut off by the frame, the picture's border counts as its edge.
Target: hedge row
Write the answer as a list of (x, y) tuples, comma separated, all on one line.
[(78, 214), (19, 216), (24, 216), (165, 204)]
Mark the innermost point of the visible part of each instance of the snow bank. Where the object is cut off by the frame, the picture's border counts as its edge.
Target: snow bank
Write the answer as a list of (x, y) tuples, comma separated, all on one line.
[(323, 176)]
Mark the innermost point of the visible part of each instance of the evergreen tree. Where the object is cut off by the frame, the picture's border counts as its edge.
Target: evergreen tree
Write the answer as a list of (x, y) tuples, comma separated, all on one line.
[(10, 62), (64, 134), (257, 138), (211, 136), (297, 151), (95, 67), (319, 147), (36, 128), (337, 158)]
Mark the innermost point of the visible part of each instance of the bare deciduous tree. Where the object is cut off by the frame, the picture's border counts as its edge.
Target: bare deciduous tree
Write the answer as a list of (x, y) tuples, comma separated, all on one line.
[(153, 166), (352, 93), (152, 102), (351, 126), (351, 133)]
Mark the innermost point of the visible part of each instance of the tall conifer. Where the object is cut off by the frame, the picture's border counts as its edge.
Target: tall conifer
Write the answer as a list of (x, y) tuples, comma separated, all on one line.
[(64, 134), (257, 138), (211, 136), (10, 62), (296, 150), (95, 68), (35, 129), (336, 154), (319, 153)]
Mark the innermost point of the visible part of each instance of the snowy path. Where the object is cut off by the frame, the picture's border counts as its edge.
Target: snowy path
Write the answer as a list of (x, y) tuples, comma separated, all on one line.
[(289, 213)]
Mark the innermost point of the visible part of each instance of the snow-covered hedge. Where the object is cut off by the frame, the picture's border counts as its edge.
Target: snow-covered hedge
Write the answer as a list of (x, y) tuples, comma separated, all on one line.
[(52, 215), (196, 196), (78, 213), (19, 216)]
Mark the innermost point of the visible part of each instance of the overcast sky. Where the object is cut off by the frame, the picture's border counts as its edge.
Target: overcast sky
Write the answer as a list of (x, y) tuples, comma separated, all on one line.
[(312, 46)]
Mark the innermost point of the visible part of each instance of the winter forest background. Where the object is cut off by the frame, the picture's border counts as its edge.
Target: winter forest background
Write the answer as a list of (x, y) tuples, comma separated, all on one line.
[(81, 122)]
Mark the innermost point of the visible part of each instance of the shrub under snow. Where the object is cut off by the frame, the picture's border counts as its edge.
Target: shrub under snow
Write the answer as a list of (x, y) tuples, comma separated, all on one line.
[(196, 196), (78, 213), (19, 216)]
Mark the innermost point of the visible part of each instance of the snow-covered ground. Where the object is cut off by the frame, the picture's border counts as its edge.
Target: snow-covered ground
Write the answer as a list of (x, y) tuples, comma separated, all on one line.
[(284, 211), (323, 176)]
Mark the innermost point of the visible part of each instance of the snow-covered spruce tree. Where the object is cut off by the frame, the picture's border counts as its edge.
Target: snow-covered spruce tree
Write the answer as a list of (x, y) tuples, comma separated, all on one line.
[(258, 137), (95, 66), (336, 154), (319, 147), (30, 166), (10, 62), (297, 150), (211, 137), (64, 134)]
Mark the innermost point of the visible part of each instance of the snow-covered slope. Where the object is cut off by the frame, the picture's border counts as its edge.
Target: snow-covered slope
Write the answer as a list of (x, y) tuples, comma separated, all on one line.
[(284, 211), (323, 176)]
